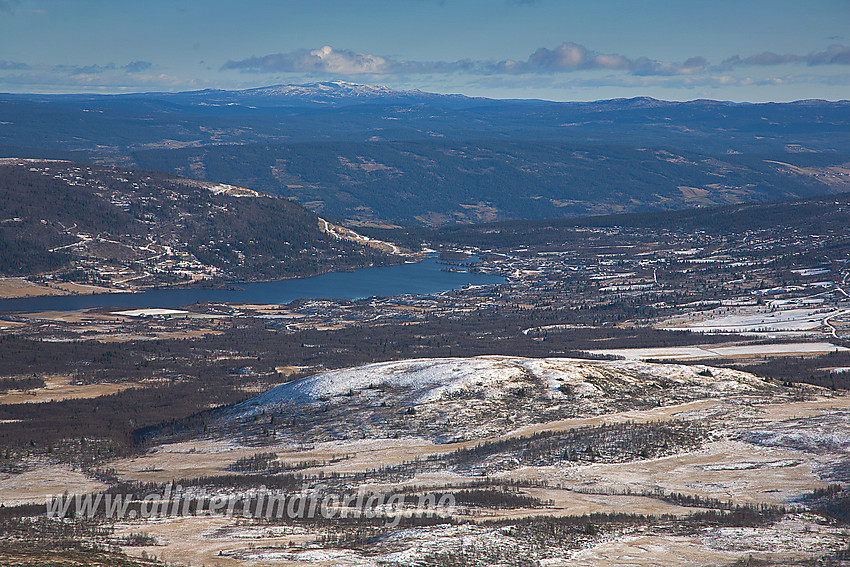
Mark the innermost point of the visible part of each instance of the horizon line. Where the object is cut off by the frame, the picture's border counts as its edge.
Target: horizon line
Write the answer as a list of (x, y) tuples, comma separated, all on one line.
[(121, 91)]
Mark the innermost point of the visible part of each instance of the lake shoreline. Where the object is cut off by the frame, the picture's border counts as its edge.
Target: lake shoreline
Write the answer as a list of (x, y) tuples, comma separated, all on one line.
[(423, 277), (19, 287)]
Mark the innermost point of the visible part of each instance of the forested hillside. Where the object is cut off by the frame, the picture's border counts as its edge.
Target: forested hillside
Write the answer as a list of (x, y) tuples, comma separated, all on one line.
[(802, 220), (441, 182), (106, 225)]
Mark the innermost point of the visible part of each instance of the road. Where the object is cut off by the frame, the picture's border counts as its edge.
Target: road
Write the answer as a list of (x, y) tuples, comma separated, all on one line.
[(829, 326)]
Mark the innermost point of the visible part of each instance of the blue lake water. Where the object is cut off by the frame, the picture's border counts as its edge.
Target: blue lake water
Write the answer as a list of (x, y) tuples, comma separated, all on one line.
[(425, 277)]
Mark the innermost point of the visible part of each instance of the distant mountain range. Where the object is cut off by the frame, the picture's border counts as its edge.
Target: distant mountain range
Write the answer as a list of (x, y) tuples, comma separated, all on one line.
[(322, 94), (376, 155), (339, 111)]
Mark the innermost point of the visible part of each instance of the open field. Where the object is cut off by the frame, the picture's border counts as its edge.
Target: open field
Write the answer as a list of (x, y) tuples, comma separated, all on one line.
[(58, 388), (19, 287), (757, 320), (43, 481), (705, 352)]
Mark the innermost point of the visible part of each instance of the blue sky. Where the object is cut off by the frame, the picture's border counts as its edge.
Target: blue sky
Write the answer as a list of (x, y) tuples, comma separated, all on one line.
[(742, 50)]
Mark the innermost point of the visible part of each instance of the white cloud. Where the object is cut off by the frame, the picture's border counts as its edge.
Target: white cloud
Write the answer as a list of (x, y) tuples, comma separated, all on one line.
[(566, 57), (325, 60), (348, 62)]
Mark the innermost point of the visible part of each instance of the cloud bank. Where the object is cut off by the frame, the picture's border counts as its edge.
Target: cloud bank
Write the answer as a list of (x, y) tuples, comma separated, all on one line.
[(330, 61), (834, 55), (110, 75), (13, 66), (324, 60), (574, 57), (565, 58), (569, 65)]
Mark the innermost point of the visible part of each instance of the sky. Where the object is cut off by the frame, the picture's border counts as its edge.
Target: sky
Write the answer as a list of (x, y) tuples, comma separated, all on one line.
[(736, 50)]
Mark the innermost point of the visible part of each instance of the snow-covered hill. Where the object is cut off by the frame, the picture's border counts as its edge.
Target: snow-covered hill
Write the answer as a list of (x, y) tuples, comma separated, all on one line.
[(328, 89), (455, 398), (327, 93)]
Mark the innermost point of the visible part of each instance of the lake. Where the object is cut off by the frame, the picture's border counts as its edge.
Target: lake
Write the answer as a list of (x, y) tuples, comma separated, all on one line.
[(425, 277)]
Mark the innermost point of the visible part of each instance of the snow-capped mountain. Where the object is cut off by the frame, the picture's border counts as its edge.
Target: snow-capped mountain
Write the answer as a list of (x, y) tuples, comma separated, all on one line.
[(328, 89), (327, 93)]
